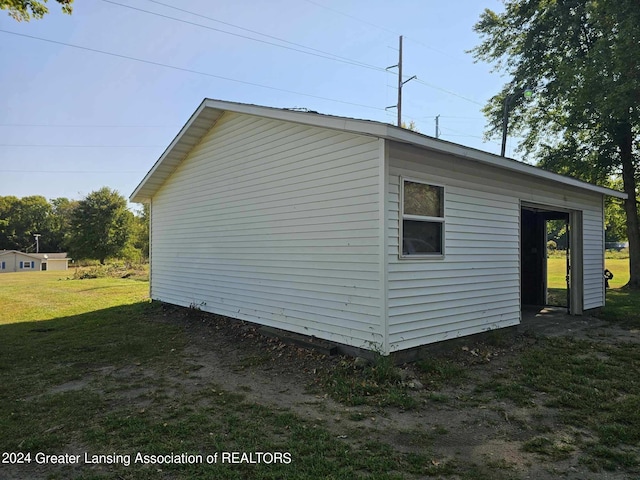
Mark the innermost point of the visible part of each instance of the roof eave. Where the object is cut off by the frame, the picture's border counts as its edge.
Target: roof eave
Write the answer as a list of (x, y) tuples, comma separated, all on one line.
[(406, 136), (177, 150), (209, 111)]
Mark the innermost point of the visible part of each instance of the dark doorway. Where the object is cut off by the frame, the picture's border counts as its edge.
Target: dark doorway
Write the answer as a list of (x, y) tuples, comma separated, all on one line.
[(44, 266), (532, 258), (541, 285)]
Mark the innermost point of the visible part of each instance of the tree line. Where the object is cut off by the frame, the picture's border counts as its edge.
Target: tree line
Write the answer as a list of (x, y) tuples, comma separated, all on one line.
[(100, 226)]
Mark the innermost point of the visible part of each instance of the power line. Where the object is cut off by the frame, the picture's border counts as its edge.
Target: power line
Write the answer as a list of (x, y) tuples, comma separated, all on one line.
[(39, 125), (463, 117), (397, 33), (380, 27), (76, 146), (435, 87), (347, 60), (462, 134), (74, 171), (321, 53), (188, 70), (353, 17), (326, 55)]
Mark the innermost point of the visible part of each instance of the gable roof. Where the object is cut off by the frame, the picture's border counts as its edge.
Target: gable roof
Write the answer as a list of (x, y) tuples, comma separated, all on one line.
[(5, 252), (39, 256), (209, 111), (51, 256)]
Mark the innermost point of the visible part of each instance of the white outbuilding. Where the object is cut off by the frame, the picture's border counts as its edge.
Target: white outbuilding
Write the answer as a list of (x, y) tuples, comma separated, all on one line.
[(15, 261), (359, 232)]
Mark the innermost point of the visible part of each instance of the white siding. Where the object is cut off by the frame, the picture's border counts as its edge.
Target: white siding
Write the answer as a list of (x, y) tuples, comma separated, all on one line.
[(12, 262), (593, 230), (476, 286), (275, 223), (54, 264)]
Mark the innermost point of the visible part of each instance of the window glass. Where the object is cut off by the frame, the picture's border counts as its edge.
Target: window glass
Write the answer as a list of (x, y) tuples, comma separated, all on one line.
[(422, 199), (421, 238), (423, 219)]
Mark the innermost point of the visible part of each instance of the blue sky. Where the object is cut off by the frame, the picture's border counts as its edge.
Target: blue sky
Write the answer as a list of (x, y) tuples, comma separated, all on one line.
[(74, 120)]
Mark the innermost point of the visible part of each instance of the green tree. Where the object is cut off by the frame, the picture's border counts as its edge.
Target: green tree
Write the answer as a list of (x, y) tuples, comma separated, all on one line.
[(141, 232), (100, 226), (7, 226), (21, 219), (137, 250), (557, 233), (25, 9), (615, 218), (582, 58), (61, 222)]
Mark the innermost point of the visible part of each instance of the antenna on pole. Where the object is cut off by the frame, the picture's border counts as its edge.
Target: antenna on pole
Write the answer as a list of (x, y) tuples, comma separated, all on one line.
[(437, 126), (37, 236), (400, 84)]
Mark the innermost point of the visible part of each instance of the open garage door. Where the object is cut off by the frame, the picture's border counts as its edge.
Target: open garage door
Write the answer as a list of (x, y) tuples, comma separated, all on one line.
[(556, 279)]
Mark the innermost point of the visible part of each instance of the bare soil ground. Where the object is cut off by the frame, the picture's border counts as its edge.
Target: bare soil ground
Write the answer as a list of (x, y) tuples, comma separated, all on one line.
[(452, 421)]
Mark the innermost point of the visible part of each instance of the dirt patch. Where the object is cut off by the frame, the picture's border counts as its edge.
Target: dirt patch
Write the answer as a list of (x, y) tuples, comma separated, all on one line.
[(456, 424)]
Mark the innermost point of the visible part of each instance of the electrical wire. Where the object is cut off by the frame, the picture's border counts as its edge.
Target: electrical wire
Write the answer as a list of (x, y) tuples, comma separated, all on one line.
[(188, 70), (353, 17), (78, 146), (320, 53), (345, 59), (380, 27), (39, 125), (325, 55), (435, 87), (74, 171)]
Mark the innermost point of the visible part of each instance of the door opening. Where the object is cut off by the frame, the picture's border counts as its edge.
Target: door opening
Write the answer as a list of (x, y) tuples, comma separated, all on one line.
[(558, 260), (545, 257)]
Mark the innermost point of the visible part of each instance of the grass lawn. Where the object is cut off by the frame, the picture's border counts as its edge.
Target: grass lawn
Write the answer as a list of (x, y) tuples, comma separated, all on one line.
[(85, 369), (28, 297), (557, 267), (91, 366)]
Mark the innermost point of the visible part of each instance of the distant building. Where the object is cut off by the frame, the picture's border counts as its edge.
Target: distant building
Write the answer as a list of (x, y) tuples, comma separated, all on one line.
[(15, 261)]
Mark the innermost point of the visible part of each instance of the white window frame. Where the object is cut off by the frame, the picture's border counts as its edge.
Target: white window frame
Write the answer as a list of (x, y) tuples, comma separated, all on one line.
[(402, 217)]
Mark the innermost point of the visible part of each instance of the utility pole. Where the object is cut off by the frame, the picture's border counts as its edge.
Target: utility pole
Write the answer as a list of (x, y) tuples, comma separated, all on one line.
[(37, 236), (400, 84), (437, 126)]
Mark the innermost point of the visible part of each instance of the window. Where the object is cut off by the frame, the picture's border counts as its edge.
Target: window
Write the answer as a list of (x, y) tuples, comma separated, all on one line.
[(26, 264), (422, 219)]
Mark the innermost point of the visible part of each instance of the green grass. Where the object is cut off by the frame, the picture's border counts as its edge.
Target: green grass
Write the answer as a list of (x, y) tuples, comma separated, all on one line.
[(623, 308), (593, 386), (556, 272), (437, 372), (91, 366), (377, 384), (34, 296), (620, 269)]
